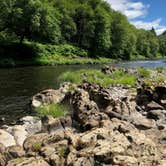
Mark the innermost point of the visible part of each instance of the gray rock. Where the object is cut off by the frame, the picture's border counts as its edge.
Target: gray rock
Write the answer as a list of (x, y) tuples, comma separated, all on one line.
[(28, 162), (156, 114), (153, 106), (32, 124), (6, 139)]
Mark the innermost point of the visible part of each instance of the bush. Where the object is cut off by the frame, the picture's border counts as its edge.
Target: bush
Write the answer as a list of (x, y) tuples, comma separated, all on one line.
[(65, 50)]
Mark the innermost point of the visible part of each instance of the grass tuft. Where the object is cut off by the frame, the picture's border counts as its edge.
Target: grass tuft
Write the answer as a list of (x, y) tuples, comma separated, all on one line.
[(55, 110), (144, 72), (98, 77)]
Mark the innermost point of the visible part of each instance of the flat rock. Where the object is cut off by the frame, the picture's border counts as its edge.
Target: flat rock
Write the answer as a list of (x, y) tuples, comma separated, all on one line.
[(27, 162), (153, 106)]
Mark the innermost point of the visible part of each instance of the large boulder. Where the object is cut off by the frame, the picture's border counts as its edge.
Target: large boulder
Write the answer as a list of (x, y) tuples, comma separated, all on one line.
[(47, 97), (6, 139), (86, 111), (32, 124), (19, 133)]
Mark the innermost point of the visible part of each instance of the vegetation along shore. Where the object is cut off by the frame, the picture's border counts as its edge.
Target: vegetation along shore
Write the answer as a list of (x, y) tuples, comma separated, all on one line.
[(71, 32)]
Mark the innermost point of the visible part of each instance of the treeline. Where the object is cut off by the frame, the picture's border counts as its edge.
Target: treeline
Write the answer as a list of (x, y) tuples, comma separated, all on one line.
[(88, 24), (162, 42)]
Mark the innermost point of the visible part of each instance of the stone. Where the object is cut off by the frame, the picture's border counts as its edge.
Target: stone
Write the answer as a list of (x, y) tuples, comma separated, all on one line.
[(33, 140), (153, 106), (125, 160), (14, 152), (32, 124), (19, 133), (6, 139), (74, 160), (142, 122), (47, 97), (28, 162), (156, 114), (3, 159), (51, 125)]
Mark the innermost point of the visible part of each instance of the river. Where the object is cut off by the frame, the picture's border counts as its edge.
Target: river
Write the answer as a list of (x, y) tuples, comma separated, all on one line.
[(17, 85)]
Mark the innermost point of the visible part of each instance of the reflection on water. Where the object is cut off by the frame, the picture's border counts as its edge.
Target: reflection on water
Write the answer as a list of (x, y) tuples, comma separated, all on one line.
[(19, 84)]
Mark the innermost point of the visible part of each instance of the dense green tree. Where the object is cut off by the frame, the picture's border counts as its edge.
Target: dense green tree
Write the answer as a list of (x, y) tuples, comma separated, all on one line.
[(29, 18), (89, 24), (162, 43)]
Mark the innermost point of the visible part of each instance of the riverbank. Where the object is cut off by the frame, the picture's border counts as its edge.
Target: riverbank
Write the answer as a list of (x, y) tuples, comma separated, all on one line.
[(115, 125), (37, 54)]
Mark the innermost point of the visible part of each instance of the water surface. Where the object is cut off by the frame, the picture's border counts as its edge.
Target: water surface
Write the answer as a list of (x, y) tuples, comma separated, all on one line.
[(17, 85)]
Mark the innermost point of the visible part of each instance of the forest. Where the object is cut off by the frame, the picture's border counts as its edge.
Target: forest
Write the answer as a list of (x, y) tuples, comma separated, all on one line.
[(83, 27)]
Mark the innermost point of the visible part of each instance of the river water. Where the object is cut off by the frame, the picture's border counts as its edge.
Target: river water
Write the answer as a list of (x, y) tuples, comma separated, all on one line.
[(18, 85)]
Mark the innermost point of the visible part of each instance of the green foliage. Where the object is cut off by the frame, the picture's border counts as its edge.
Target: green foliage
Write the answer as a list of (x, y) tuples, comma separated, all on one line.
[(162, 42), (143, 72), (90, 25), (55, 110), (96, 76), (36, 147), (159, 69)]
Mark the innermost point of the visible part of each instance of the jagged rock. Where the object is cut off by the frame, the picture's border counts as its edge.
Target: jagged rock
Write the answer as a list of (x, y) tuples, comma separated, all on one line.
[(86, 112), (6, 139), (144, 96), (75, 160), (53, 156), (54, 138), (156, 114), (47, 97), (51, 125), (32, 124), (3, 159), (153, 106), (50, 96), (19, 133), (101, 143), (33, 140), (125, 160), (27, 162), (141, 122), (14, 152), (159, 93)]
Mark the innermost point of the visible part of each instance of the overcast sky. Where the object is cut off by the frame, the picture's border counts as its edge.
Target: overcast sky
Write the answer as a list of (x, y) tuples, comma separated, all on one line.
[(143, 13)]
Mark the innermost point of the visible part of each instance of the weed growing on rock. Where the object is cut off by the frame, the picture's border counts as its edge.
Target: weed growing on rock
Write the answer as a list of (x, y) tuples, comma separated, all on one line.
[(144, 72), (55, 110)]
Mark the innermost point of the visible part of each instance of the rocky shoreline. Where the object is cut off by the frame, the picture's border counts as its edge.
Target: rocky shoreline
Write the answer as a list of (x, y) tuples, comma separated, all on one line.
[(105, 126)]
